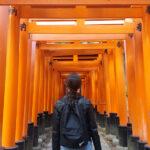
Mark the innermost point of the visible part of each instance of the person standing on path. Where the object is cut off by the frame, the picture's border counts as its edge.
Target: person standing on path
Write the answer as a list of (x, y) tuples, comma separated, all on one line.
[(74, 123)]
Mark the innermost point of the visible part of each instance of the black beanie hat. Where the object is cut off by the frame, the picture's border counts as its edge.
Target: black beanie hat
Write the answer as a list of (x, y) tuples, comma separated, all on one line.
[(73, 81)]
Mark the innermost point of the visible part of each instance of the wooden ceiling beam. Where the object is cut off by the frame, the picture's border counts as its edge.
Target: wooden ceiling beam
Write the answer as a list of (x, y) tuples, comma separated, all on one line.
[(75, 69), (71, 64), (74, 52), (81, 37), (79, 13), (81, 58), (75, 2), (56, 47), (64, 75), (87, 29), (80, 73)]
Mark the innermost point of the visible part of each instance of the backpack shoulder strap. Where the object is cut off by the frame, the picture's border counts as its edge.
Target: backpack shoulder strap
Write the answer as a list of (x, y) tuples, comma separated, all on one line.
[(61, 103), (84, 102)]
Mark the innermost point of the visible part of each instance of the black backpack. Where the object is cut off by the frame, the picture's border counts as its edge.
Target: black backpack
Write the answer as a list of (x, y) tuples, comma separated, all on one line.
[(73, 127)]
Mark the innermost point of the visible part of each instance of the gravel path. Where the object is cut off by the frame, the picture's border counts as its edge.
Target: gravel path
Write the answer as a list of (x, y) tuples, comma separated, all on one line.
[(108, 142)]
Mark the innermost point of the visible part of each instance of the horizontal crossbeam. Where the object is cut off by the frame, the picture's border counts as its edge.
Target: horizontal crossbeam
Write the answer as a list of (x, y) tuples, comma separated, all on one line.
[(76, 2), (81, 12), (87, 29)]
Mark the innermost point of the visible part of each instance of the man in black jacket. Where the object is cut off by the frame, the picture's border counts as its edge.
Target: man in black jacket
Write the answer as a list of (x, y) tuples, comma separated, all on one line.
[(59, 140)]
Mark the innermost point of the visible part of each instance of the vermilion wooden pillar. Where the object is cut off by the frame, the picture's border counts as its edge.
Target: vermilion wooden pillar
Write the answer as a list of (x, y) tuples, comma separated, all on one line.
[(104, 102), (89, 85), (112, 82), (53, 78), (49, 88), (140, 86), (41, 84), (46, 63), (130, 70), (98, 82), (57, 85), (31, 48), (91, 90), (53, 87), (86, 81), (36, 86), (23, 46), (55, 92), (136, 89), (120, 83), (62, 87), (3, 47), (107, 84), (96, 87), (29, 85), (11, 81), (86, 86), (82, 87), (101, 89), (146, 61)]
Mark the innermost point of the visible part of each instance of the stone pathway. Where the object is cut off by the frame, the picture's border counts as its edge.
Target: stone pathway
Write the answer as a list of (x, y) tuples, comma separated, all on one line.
[(104, 144), (108, 142)]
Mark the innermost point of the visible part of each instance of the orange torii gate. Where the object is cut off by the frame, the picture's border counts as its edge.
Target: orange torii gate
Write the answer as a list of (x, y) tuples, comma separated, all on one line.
[(24, 93)]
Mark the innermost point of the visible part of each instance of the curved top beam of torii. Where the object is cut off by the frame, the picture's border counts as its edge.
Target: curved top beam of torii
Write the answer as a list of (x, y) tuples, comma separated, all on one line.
[(76, 2)]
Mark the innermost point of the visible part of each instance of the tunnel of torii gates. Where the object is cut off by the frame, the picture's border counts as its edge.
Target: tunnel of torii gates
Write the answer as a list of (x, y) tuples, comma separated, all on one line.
[(113, 61)]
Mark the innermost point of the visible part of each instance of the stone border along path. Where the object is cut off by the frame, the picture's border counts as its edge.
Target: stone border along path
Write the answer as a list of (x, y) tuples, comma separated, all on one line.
[(108, 142)]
